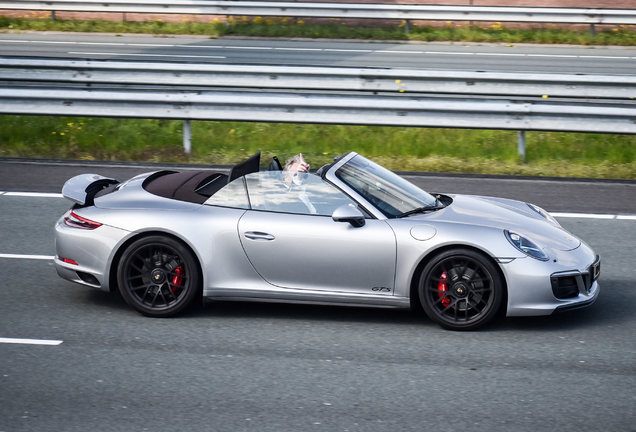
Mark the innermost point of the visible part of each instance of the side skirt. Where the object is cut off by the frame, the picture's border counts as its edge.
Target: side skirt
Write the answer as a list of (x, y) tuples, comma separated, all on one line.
[(313, 297)]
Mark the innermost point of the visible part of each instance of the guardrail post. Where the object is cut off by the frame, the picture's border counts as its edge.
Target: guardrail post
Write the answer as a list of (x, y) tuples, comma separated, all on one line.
[(52, 15), (592, 30), (187, 137), (521, 145), (407, 26)]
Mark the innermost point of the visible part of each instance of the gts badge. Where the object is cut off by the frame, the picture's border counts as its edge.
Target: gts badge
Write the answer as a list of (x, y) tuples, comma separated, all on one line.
[(381, 289)]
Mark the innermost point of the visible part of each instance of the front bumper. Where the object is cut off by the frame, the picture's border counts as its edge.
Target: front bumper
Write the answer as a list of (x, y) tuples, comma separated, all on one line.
[(531, 283)]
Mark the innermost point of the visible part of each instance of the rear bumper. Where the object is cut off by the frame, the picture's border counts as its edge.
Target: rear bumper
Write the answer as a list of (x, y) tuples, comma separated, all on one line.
[(92, 250)]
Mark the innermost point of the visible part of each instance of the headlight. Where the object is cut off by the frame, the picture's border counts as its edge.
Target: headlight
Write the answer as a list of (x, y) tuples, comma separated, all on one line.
[(526, 246), (543, 213)]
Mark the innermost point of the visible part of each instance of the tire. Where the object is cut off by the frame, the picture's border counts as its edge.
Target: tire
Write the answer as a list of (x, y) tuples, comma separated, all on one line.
[(158, 276), (460, 289)]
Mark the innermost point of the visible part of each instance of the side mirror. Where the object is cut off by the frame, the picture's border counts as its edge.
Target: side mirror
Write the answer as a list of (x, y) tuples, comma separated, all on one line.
[(349, 213)]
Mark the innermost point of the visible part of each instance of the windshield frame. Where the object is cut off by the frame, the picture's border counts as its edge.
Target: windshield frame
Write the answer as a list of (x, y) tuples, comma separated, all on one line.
[(405, 196)]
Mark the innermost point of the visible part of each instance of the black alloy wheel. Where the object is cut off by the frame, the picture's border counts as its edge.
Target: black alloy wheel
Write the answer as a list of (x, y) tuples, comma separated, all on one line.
[(158, 276), (460, 289)]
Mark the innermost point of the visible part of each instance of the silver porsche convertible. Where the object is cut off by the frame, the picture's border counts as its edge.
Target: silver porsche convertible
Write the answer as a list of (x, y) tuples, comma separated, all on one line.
[(354, 233)]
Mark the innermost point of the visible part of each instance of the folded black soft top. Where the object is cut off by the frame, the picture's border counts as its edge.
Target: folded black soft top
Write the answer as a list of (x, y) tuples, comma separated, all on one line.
[(183, 186), (197, 186)]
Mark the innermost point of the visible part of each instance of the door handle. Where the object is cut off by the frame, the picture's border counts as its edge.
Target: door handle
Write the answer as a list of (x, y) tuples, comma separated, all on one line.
[(259, 236)]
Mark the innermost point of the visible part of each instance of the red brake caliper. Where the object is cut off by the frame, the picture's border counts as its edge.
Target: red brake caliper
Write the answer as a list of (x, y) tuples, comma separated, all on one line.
[(443, 286), (177, 280)]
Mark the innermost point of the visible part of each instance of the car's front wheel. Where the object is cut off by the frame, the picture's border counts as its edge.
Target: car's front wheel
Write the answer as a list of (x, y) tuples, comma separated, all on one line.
[(460, 289), (158, 276)]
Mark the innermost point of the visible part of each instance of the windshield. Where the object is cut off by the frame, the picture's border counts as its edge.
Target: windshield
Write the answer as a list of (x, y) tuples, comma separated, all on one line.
[(387, 191)]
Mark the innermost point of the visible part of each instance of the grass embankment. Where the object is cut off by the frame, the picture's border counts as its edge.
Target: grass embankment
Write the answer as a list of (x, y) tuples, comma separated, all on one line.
[(404, 149), (289, 27)]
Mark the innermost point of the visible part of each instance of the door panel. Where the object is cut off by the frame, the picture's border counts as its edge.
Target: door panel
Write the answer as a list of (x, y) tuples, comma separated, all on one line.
[(314, 252)]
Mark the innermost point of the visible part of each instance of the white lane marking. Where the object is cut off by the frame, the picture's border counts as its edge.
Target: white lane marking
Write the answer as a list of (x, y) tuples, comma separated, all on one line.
[(299, 49), (603, 57), (34, 194), (145, 55), (254, 48), (449, 53), (30, 341), (349, 50), (552, 55), (201, 46), (583, 215), (149, 45), (626, 217), (101, 43), (504, 54), (54, 42), (399, 52), (24, 256)]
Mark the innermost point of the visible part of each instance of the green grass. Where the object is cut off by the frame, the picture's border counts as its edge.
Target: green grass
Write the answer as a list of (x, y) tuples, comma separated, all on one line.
[(417, 149), (102, 26), (287, 27)]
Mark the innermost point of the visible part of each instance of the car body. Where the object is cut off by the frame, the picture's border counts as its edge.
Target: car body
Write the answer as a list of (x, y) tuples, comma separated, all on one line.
[(367, 238)]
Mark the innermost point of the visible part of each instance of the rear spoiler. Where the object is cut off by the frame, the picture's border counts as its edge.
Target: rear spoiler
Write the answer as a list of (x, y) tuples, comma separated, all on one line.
[(81, 189)]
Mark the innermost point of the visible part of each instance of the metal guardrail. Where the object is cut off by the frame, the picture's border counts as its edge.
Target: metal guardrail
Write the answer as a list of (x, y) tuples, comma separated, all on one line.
[(328, 79), (349, 96), (345, 109), (337, 10)]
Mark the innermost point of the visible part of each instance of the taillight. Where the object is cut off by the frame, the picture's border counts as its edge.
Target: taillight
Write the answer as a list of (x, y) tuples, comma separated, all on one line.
[(76, 221)]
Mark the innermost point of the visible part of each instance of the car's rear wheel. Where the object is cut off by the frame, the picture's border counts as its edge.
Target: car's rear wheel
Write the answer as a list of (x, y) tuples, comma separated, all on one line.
[(158, 276), (460, 289)]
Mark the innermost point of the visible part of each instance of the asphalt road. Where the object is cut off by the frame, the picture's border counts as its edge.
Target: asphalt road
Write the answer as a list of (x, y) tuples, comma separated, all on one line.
[(266, 367), (433, 56)]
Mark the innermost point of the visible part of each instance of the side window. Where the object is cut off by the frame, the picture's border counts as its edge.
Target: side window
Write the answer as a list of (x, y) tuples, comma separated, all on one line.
[(231, 195), (273, 191)]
